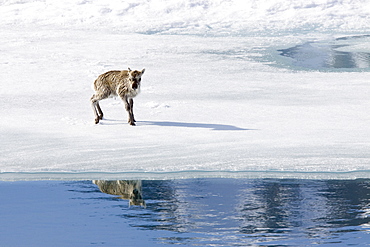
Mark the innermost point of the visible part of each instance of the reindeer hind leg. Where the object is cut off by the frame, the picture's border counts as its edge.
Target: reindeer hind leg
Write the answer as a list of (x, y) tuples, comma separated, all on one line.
[(93, 105), (96, 107)]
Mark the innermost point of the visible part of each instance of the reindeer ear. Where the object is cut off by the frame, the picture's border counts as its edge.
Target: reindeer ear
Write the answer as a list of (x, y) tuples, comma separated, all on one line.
[(129, 69), (142, 72)]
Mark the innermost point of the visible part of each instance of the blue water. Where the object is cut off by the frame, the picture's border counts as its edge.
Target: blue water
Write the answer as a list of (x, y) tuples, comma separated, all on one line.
[(329, 55), (188, 212)]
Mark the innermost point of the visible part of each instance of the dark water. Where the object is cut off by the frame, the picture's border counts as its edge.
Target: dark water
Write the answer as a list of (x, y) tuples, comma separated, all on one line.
[(189, 212), (330, 54)]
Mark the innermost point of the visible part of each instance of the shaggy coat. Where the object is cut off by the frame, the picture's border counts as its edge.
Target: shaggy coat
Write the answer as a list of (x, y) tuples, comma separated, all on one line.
[(126, 189), (124, 83)]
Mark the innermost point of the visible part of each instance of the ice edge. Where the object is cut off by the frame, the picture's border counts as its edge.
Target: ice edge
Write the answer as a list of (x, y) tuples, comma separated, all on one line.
[(30, 176)]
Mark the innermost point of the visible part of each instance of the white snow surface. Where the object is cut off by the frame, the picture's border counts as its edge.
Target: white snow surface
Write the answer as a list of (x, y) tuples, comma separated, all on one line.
[(190, 16), (209, 105)]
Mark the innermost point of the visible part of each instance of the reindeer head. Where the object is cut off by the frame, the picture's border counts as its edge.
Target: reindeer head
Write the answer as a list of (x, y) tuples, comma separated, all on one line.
[(136, 199), (134, 77)]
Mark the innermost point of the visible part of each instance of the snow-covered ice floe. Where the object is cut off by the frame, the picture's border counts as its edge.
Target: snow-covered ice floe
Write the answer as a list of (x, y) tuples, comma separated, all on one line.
[(217, 97)]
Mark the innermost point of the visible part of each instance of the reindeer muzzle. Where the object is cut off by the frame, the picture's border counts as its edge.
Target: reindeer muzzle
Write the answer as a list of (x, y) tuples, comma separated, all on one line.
[(135, 85)]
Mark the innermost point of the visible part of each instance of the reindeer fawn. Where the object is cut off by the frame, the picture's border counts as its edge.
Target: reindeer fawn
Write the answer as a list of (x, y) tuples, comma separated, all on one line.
[(125, 84), (126, 189)]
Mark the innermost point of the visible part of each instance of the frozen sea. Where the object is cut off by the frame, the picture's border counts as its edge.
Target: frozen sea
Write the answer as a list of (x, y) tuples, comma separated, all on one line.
[(252, 122)]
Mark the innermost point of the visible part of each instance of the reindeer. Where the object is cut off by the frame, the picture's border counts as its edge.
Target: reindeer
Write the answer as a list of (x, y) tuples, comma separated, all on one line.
[(125, 84), (126, 189)]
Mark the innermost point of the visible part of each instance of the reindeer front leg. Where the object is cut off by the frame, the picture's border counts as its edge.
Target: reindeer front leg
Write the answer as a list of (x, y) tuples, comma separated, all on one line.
[(129, 105), (131, 102)]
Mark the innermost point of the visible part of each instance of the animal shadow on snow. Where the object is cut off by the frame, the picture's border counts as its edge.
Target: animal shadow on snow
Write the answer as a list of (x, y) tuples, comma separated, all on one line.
[(192, 125), (175, 124)]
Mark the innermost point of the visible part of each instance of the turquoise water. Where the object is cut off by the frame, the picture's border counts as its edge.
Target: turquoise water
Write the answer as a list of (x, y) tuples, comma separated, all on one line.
[(187, 212)]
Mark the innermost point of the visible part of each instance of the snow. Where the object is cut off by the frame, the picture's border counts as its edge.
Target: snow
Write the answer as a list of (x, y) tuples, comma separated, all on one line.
[(196, 16), (214, 103)]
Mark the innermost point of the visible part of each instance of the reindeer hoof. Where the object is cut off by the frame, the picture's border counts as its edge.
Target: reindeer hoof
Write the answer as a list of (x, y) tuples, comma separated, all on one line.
[(132, 123), (96, 120), (101, 117)]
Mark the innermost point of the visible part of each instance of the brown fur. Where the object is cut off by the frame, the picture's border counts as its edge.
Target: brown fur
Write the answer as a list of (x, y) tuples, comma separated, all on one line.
[(125, 84), (126, 189)]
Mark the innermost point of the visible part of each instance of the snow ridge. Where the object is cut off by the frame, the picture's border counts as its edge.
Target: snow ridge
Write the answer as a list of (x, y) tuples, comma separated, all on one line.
[(217, 17)]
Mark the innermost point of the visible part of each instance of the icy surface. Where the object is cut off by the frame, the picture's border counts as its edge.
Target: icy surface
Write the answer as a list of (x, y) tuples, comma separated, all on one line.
[(212, 103)]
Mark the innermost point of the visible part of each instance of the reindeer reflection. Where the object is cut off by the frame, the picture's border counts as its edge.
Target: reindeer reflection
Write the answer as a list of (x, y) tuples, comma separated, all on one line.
[(126, 189)]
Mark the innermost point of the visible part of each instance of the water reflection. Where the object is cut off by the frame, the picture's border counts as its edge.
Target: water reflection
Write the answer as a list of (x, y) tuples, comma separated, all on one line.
[(342, 53), (265, 212), (126, 189)]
